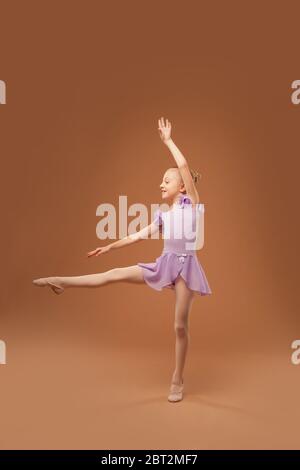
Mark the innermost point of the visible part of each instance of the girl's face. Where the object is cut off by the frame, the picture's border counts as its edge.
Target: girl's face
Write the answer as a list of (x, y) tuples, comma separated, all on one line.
[(171, 185)]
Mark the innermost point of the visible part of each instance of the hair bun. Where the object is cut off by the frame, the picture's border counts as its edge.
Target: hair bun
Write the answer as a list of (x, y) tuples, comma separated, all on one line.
[(196, 176)]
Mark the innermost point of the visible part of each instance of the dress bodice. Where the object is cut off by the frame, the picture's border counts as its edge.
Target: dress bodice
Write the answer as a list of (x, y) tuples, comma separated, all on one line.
[(181, 226)]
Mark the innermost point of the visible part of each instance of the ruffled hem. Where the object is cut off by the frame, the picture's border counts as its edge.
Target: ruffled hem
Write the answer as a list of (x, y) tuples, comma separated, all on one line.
[(166, 269)]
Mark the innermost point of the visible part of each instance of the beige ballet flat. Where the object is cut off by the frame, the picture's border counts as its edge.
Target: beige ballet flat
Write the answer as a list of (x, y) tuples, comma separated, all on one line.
[(43, 281), (176, 392)]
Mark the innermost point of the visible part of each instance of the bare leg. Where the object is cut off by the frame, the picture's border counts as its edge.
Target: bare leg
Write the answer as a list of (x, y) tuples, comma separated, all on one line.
[(123, 274), (184, 299)]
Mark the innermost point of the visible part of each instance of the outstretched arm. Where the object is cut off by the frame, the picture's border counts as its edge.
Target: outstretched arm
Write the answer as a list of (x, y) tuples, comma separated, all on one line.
[(133, 238), (165, 135)]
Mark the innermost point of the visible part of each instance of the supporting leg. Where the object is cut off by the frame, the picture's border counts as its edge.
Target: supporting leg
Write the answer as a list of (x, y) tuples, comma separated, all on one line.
[(184, 299)]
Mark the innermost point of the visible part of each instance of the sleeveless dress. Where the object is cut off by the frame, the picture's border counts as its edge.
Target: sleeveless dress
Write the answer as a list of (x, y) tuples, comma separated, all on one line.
[(179, 255)]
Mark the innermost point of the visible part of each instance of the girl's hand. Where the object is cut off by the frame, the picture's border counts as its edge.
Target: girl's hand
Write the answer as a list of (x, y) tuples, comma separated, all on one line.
[(98, 251), (164, 130)]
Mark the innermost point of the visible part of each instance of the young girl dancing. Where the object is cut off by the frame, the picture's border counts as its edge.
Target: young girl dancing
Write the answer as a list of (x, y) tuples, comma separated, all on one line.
[(177, 267)]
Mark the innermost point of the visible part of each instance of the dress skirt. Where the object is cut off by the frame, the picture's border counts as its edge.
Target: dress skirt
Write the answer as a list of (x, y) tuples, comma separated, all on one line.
[(167, 267)]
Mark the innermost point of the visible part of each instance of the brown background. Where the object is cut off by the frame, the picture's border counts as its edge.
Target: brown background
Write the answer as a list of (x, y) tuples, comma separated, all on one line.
[(86, 84)]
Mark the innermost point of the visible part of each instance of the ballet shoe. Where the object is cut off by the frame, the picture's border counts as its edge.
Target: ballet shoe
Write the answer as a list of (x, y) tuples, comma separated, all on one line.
[(44, 281), (176, 392)]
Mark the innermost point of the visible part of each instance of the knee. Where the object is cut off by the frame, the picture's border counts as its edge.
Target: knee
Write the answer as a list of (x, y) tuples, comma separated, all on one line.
[(181, 330), (114, 274)]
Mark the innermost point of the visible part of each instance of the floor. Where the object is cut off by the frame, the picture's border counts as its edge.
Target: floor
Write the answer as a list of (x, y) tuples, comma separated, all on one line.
[(60, 395)]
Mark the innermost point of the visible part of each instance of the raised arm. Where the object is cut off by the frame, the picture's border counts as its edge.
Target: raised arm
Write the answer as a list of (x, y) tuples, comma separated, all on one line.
[(133, 238), (182, 164)]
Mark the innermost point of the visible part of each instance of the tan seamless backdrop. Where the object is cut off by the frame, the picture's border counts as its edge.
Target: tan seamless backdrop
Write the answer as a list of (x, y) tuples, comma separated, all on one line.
[(86, 83)]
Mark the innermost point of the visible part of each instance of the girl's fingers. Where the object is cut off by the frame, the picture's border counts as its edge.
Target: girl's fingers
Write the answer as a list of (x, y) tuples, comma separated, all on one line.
[(162, 124), (92, 253)]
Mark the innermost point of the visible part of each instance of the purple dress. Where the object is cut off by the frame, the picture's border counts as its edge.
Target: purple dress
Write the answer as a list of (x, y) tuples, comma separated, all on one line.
[(179, 255)]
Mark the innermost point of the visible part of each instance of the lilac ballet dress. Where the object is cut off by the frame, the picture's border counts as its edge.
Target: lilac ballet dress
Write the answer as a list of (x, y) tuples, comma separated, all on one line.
[(179, 254)]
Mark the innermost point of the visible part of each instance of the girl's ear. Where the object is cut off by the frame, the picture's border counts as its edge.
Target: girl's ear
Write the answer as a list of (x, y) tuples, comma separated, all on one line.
[(182, 188)]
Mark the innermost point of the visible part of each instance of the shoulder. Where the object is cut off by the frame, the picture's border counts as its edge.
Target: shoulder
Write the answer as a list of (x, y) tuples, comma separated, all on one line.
[(188, 202), (194, 200)]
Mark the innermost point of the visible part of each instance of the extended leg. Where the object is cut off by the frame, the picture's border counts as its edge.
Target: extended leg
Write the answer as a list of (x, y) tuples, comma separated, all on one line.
[(122, 274)]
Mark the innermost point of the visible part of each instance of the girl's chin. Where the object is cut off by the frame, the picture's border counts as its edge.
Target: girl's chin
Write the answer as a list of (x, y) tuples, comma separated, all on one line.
[(167, 198)]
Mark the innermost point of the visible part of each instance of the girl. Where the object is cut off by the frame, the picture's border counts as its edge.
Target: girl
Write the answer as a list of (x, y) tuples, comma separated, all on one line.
[(177, 268)]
